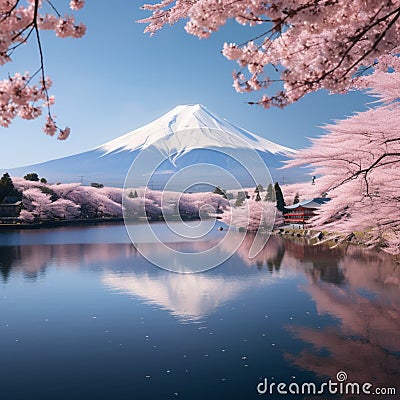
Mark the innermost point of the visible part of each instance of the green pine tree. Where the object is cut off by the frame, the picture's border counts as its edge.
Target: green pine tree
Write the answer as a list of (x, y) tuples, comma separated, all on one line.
[(33, 176), (241, 196), (270, 195), (7, 188), (239, 202), (258, 197), (280, 201), (219, 191)]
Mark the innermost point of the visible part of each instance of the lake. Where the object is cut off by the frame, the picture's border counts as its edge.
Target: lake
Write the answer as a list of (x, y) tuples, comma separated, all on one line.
[(83, 315)]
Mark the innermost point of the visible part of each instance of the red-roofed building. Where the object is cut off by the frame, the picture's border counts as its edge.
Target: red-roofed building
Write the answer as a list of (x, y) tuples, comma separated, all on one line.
[(301, 212)]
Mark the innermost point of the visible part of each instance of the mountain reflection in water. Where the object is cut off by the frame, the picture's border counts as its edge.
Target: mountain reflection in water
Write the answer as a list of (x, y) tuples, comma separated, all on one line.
[(358, 289)]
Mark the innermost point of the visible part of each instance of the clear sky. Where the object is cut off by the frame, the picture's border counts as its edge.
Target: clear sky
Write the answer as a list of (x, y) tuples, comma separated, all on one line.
[(117, 79)]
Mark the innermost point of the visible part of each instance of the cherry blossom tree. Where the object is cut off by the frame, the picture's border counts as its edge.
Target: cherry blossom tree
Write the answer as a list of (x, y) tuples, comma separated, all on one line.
[(37, 203), (66, 190), (64, 209), (357, 164), (67, 201), (20, 22), (72, 200), (141, 207), (205, 203), (113, 193), (26, 216), (100, 203), (168, 203), (307, 45), (251, 216)]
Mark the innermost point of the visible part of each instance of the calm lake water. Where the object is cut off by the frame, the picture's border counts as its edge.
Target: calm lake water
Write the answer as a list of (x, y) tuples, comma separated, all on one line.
[(84, 316)]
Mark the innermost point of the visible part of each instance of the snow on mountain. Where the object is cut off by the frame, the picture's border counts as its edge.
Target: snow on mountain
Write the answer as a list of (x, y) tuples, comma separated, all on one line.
[(186, 135), (189, 127)]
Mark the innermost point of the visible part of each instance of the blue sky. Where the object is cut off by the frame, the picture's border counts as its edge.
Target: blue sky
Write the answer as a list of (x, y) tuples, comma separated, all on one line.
[(117, 79)]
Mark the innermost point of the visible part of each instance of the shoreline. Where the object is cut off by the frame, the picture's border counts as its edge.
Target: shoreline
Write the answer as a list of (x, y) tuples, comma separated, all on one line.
[(62, 223), (313, 237), (76, 222), (309, 236)]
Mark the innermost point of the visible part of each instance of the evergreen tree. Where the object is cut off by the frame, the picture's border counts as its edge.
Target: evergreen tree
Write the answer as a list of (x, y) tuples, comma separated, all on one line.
[(270, 195), (296, 199), (133, 195), (32, 177), (280, 201), (46, 190), (239, 202), (7, 188), (242, 196), (258, 197), (219, 191), (43, 180)]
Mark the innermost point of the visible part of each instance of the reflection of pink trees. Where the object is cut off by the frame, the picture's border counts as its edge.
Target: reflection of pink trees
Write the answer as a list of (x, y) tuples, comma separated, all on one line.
[(361, 360), (368, 311), (365, 303), (271, 255), (30, 260)]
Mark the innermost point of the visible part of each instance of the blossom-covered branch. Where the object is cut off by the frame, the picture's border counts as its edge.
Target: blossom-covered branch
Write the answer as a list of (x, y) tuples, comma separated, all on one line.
[(312, 44), (19, 22)]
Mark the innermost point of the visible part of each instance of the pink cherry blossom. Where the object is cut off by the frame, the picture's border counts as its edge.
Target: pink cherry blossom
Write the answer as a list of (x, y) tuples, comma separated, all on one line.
[(307, 45), (76, 4), (20, 22), (357, 165)]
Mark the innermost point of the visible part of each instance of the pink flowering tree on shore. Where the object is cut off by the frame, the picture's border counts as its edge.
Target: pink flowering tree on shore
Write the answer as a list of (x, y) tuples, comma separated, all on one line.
[(357, 164), (44, 202), (26, 95), (306, 45), (37, 204), (252, 216)]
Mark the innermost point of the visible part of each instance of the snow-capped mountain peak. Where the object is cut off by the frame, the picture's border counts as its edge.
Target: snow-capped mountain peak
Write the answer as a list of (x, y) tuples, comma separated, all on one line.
[(187, 127), (185, 136)]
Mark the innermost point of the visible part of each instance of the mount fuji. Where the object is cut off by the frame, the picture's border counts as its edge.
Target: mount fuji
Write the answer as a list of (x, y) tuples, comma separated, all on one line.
[(186, 135)]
